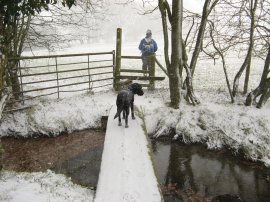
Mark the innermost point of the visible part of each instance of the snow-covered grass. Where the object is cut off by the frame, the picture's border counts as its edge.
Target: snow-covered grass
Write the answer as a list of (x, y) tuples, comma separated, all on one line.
[(215, 122), (40, 186), (208, 75), (51, 117)]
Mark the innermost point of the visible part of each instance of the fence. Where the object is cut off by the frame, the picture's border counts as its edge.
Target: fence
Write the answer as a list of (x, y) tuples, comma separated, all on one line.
[(148, 74), (82, 72)]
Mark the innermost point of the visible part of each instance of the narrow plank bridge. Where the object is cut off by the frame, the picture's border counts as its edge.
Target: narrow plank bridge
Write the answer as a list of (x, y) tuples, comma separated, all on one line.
[(127, 172)]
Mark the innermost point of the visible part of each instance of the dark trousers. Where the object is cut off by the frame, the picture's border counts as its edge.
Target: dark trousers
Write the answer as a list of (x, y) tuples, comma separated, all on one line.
[(146, 60)]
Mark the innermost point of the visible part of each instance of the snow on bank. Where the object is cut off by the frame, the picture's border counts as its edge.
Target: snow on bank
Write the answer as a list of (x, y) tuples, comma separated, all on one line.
[(219, 124), (216, 122), (51, 117), (40, 187)]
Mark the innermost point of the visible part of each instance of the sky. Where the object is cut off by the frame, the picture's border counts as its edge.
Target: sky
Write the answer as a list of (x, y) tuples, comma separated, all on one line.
[(129, 17), (194, 5), (135, 25)]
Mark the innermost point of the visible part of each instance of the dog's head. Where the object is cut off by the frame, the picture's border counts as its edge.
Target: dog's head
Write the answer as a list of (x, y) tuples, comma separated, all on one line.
[(136, 89)]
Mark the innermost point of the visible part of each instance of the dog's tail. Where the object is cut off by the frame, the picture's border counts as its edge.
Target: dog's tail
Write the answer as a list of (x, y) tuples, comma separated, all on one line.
[(119, 110)]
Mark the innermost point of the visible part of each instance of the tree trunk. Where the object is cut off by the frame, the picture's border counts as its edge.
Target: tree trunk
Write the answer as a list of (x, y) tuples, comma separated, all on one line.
[(198, 47), (264, 87), (265, 94), (247, 77), (2, 58), (4, 97), (165, 32), (173, 67), (247, 60), (190, 96), (212, 27), (13, 76), (14, 32), (200, 36), (176, 56)]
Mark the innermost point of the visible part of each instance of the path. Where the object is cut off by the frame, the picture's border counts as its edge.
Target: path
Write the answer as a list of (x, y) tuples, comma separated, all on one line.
[(127, 172)]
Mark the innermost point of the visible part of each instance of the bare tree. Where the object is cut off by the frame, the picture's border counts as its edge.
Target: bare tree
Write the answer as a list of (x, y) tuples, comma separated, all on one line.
[(199, 32), (27, 29), (59, 27), (246, 64), (207, 8), (11, 30), (175, 18), (221, 52), (189, 95), (14, 34)]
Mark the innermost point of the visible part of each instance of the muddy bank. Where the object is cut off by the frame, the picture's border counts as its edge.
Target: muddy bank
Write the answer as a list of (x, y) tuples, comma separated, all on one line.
[(39, 154), (71, 154)]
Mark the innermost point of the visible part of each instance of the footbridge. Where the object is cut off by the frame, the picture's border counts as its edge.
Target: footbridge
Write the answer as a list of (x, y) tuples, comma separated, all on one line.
[(126, 172)]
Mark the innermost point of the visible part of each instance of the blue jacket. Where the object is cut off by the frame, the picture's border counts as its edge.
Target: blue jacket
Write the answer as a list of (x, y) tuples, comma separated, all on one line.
[(150, 47)]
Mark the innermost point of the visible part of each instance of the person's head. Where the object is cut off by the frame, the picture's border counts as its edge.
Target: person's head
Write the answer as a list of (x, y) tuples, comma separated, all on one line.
[(148, 33)]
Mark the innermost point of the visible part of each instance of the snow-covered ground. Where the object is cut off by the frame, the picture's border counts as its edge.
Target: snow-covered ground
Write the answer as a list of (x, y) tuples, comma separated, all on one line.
[(41, 187), (215, 122)]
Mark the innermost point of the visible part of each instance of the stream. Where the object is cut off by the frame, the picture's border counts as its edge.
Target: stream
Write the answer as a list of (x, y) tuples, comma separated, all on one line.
[(191, 173), (184, 172)]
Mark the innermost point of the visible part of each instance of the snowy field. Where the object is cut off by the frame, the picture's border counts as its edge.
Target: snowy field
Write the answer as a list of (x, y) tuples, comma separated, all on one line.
[(208, 75), (215, 123)]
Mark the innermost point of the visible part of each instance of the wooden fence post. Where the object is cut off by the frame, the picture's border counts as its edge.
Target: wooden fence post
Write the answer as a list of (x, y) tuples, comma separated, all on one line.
[(116, 82), (152, 72), (89, 73), (57, 78)]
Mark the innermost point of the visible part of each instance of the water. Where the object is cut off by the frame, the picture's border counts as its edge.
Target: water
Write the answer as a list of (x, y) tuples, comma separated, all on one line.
[(77, 155), (83, 168), (185, 172), (192, 172)]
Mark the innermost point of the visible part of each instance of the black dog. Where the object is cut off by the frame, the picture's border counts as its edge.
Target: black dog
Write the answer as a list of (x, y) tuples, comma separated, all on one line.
[(125, 99)]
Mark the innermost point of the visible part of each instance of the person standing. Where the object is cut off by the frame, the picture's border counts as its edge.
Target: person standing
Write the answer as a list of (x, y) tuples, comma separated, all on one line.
[(148, 47)]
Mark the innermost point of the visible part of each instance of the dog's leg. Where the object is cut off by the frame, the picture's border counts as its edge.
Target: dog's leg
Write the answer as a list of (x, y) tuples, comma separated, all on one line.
[(132, 110), (126, 117), (124, 114), (119, 120)]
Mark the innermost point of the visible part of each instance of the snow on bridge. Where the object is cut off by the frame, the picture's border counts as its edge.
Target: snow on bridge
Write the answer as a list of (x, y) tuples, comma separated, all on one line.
[(126, 172)]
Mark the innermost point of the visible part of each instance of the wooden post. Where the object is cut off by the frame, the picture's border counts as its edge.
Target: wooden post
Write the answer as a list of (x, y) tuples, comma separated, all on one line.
[(116, 82), (89, 75), (113, 59), (57, 78), (20, 71), (152, 72)]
